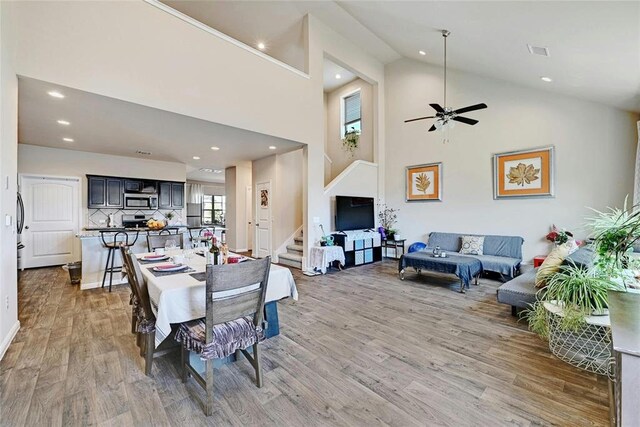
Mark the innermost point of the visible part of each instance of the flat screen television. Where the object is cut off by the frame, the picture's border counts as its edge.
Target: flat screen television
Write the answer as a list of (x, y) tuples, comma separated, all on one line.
[(354, 213)]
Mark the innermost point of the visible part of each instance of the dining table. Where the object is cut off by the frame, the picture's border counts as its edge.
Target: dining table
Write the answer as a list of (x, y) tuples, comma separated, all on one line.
[(179, 296)]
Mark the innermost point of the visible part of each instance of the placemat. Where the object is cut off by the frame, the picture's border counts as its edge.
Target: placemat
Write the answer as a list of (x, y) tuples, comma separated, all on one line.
[(169, 273), (144, 261), (200, 277)]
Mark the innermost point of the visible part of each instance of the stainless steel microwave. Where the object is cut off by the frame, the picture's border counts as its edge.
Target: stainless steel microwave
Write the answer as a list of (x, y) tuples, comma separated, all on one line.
[(140, 201)]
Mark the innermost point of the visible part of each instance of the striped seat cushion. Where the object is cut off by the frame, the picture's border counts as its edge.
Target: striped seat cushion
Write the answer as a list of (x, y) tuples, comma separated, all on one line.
[(227, 337)]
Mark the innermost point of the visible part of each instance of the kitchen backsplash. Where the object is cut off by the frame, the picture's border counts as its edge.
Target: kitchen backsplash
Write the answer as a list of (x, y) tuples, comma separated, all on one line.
[(98, 217)]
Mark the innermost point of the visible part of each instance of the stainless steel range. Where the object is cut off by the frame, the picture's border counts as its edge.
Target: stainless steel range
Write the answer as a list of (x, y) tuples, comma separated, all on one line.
[(135, 221)]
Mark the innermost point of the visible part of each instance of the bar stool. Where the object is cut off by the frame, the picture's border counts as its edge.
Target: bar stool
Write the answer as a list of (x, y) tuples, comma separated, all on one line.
[(113, 246)]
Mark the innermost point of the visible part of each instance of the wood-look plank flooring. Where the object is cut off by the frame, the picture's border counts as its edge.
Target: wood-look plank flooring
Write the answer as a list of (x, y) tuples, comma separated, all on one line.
[(359, 348)]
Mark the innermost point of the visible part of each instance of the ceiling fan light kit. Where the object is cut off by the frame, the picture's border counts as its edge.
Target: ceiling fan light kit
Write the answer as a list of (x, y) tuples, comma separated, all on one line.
[(446, 116)]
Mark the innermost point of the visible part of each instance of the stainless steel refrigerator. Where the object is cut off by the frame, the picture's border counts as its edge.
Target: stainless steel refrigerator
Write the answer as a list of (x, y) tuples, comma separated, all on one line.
[(194, 214)]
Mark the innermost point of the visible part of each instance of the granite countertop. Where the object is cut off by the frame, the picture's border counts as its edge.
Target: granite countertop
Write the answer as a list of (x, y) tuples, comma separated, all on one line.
[(95, 231), (624, 310)]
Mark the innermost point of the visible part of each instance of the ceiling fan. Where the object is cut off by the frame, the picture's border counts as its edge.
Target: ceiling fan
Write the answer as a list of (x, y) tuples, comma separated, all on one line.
[(445, 116)]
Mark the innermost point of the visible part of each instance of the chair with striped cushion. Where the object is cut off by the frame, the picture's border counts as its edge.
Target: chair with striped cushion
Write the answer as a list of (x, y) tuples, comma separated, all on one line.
[(235, 296)]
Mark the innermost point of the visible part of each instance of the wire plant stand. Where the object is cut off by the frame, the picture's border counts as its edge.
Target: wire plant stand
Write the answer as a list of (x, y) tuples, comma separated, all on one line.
[(588, 348)]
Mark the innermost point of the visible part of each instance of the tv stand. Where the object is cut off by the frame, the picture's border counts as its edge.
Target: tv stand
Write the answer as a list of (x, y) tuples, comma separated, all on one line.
[(360, 247)]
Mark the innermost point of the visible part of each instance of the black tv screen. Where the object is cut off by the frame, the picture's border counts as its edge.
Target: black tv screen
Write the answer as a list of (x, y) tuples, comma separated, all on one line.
[(354, 213)]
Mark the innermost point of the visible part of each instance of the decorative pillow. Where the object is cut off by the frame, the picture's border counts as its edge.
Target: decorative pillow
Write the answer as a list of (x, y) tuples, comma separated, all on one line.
[(573, 246), (472, 245), (551, 264)]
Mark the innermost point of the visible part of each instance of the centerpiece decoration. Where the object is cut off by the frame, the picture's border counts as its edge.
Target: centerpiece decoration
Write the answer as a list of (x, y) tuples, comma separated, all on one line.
[(388, 217), (156, 224)]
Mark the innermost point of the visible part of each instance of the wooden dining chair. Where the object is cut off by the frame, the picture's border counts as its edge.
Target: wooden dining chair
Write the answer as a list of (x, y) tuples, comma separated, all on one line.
[(233, 323), (146, 320), (160, 241), (133, 298)]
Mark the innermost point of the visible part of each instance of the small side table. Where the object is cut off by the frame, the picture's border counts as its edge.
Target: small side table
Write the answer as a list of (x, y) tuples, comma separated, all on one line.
[(538, 260), (321, 256), (395, 244)]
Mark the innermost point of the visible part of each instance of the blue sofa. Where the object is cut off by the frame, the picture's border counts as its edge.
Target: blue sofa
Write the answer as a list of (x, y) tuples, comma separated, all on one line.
[(521, 292), (501, 254)]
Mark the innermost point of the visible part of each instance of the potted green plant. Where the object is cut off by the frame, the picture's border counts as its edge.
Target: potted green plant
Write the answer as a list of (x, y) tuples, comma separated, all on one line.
[(350, 140), (615, 233)]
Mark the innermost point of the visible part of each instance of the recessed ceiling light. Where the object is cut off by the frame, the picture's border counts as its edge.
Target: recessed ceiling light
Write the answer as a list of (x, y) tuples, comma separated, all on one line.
[(546, 79), (214, 148), (144, 153), (261, 46), (422, 52), (217, 171), (64, 122), (55, 94), (338, 76), (272, 147), (67, 139), (196, 158)]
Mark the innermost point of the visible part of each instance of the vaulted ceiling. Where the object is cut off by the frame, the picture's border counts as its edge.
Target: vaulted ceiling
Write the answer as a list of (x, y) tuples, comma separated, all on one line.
[(594, 45)]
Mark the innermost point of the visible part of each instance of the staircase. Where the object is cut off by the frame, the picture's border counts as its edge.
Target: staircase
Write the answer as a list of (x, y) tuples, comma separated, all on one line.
[(293, 256)]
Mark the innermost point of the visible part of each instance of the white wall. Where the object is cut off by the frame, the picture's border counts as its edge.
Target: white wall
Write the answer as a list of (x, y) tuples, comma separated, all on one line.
[(284, 171), (55, 161), (595, 152), (237, 179), (65, 43), (323, 42), (340, 158), (359, 179), (8, 184)]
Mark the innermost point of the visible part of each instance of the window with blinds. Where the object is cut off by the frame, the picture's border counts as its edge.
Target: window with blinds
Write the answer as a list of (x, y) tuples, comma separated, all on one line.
[(352, 113)]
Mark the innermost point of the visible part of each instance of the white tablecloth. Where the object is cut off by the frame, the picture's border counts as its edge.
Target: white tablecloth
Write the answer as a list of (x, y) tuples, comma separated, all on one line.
[(320, 256), (178, 298)]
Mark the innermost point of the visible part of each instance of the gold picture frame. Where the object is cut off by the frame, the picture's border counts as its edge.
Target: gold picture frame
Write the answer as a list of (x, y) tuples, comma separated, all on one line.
[(423, 183), (524, 173)]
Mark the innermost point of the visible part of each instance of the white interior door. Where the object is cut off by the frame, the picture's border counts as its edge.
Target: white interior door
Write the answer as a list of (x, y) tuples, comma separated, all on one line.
[(51, 220), (263, 220), (249, 204)]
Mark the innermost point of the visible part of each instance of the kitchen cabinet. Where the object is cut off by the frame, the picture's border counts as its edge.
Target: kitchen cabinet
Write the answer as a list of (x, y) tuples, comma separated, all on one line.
[(177, 195), (108, 192), (170, 195), (132, 186), (105, 192)]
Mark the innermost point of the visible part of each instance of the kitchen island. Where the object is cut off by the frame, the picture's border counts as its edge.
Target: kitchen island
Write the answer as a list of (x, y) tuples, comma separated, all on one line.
[(94, 254)]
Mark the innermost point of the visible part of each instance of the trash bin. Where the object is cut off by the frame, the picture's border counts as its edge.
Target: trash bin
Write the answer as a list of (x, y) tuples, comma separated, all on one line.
[(75, 271)]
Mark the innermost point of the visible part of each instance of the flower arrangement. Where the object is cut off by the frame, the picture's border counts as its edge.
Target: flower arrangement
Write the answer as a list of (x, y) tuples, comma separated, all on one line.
[(350, 140), (558, 236), (388, 217)]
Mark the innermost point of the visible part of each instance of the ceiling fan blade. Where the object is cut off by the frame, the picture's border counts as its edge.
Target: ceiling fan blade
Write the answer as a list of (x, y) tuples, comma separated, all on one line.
[(465, 120), (470, 108), (437, 107), (419, 118), (432, 128)]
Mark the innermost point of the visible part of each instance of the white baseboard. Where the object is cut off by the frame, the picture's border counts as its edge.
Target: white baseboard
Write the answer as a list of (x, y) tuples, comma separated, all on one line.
[(4, 346)]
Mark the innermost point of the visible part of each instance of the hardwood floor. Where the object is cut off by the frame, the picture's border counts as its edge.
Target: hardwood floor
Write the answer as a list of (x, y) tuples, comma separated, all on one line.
[(359, 348)]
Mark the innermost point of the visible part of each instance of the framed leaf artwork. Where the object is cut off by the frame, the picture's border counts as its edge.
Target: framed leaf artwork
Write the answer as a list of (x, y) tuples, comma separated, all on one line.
[(526, 173), (424, 183)]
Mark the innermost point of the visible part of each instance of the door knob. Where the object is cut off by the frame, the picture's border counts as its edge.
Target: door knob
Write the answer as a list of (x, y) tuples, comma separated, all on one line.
[(26, 227)]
